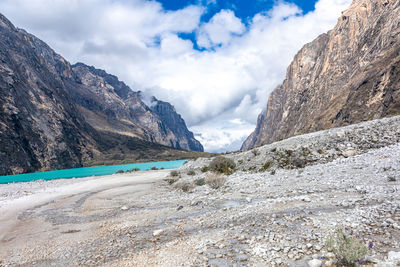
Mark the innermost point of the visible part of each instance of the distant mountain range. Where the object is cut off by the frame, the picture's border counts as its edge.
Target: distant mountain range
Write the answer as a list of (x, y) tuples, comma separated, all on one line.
[(348, 75), (56, 115)]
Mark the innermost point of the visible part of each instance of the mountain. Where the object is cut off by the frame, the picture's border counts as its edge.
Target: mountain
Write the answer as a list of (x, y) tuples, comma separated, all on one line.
[(43, 120), (110, 105), (348, 75)]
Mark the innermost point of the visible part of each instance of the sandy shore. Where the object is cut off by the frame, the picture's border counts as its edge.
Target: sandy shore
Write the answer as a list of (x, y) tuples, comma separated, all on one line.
[(81, 198)]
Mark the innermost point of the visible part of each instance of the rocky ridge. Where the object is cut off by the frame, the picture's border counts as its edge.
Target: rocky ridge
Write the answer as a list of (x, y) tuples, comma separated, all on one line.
[(348, 75), (315, 148)]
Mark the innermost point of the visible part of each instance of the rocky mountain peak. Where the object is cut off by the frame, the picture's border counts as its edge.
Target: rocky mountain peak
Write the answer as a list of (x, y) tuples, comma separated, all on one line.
[(109, 104)]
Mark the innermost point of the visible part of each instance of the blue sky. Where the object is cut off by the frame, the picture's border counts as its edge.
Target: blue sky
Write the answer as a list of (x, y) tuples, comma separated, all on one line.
[(244, 9), (216, 61)]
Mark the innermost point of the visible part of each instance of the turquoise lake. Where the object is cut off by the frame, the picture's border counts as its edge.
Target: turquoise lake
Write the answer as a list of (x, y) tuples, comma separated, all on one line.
[(88, 171)]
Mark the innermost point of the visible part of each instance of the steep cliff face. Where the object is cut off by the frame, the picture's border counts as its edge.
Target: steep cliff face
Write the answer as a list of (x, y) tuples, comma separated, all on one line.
[(174, 127), (348, 75), (110, 105), (39, 125), (42, 125)]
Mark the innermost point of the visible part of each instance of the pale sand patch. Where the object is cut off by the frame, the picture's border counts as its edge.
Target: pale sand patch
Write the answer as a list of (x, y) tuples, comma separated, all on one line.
[(52, 191)]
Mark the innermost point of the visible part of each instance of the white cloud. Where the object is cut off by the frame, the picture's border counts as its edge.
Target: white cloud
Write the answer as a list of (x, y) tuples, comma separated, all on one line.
[(220, 30), (140, 43)]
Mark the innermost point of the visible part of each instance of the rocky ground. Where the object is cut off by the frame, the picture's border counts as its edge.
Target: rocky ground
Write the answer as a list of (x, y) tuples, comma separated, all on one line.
[(275, 216)]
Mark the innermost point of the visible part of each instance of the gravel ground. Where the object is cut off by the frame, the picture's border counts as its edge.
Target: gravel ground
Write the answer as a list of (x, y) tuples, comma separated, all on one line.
[(275, 217)]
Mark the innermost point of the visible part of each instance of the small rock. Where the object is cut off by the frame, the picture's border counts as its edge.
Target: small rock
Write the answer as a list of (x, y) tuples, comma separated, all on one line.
[(315, 263), (390, 221), (196, 203), (349, 153), (330, 255), (248, 199), (124, 208), (158, 232), (179, 208), (371, 259), (394, 256)]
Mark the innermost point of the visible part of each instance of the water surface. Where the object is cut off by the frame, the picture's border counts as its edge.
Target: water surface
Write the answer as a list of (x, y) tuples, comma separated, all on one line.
[(88, 171)]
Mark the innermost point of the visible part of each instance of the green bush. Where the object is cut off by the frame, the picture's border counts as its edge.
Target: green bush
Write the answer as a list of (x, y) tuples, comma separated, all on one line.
[(174, 173), (191, 172), (204, 169), (200, 182), (120, 171), (267, 165), (154, 168), (348, 249), (222, 165)]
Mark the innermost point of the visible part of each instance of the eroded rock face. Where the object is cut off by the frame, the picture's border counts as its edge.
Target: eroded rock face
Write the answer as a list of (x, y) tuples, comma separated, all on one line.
[(40, 127), (110, 105), (348, 75), (54, 115)]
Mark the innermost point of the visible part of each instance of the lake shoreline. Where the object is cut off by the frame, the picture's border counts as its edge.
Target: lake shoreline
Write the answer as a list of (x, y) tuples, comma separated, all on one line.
[(91, 171)]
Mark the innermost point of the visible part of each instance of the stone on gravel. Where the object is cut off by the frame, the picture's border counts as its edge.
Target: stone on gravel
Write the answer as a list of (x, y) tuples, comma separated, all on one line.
[(349, 153), (158, 232), (315, 263), (394, 256)]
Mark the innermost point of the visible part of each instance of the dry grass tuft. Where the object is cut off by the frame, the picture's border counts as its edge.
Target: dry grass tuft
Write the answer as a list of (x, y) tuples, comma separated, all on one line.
[(215, 181)]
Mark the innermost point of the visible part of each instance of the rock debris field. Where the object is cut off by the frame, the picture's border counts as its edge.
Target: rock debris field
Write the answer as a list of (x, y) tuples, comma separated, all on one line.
[(277, 209)]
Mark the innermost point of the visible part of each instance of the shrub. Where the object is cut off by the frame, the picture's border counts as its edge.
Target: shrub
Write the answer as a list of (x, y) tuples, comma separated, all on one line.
[(170, 181), (154, 168), (267, 165), (222, 165), (290, 159), (240, 161), (200, 182), (252, 168), (204, 169), (136, 169), (184, 186), (215, 181), (348, 249), (174, 173), (120, 171), (391, 179), (191, 172)]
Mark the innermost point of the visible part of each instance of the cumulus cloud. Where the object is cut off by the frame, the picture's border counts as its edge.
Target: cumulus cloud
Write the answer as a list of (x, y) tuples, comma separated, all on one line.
[(220, 30), (219, 90)]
